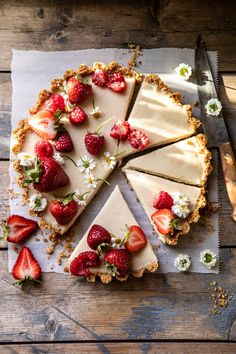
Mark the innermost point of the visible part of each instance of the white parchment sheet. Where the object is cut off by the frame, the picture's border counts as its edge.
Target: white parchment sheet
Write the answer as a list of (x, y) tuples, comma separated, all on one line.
[(33, 70)]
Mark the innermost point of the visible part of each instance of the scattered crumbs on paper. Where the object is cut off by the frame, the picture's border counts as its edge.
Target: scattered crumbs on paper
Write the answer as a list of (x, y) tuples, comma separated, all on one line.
[(136, 52), (219, 298), (15, 249)]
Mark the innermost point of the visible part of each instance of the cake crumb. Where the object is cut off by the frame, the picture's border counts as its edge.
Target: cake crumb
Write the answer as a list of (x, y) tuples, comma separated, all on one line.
[(219, 298), (136, 51), (15, 249)]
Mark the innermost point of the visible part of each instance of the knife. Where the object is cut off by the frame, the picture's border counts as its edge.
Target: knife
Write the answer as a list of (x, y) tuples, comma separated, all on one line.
[(214, 127)]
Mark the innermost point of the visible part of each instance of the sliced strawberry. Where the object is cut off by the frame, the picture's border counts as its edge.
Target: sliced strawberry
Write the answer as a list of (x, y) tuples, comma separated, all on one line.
[(116, 82), (43, 149), (163, 220), (81, 264), (100, 77), (136, 239), (163, 200), (43, 124), (55, 103), (138, 139), (120, 130), (26, 268), (17, 228)]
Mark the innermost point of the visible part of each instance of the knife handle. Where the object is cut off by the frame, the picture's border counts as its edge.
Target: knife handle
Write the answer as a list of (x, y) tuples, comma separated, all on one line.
[(229, 172)]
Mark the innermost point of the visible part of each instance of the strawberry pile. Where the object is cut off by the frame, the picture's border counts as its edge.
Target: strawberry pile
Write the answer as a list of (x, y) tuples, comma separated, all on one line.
[(117, 260), (115, 82), (123, 131), (164, 219)]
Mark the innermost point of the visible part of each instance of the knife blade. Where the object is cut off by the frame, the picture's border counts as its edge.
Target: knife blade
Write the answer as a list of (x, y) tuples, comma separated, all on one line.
[(214, 127)]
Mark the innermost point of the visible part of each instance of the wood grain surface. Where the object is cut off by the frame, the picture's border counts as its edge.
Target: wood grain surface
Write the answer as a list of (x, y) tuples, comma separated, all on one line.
[(173, 306), (56, 25), (158, 313)]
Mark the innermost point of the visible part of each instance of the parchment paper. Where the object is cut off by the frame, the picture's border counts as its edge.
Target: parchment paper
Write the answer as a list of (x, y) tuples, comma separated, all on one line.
[(33, 71)]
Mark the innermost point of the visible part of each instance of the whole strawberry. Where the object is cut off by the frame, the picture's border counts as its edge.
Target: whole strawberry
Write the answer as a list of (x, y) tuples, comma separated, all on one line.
[(81, 264), (77, 116), (55, 103), (47, 175), (63, 141), (16, 228), (138, 139), (118, 261), (163, 200), (94, 143), (120, 130), (43, 149), (116, 82), (64, 209), (98, 238), (77, 90), (100, 77)]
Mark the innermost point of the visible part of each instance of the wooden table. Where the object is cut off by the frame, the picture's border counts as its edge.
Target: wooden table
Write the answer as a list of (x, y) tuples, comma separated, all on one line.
[(158, 313)]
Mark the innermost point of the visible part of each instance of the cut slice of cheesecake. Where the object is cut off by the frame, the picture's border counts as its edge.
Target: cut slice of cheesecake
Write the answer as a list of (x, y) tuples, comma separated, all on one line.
[(111, 105), (147, 187), (186, 161), (159, 113), (114, 216)]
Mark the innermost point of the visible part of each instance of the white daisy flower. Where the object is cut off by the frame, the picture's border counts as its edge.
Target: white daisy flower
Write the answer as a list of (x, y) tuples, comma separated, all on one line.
[(181, 210), (85, 164), (96, 112), (182, 262), (79, 197), (26, 159), (184, 71), (208, 258), (58, 157), (108, 161), (37, 202), (213, 107), (90, 180), (180, 198)]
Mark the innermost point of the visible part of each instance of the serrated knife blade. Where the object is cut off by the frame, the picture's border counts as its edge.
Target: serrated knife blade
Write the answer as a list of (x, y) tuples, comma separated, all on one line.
[(214, 127)]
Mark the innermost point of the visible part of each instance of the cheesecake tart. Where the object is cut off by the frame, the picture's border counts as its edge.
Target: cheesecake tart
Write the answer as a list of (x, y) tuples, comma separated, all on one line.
[(187, 161), (161, 116), (74, 110), (170, 206), (143, 259)]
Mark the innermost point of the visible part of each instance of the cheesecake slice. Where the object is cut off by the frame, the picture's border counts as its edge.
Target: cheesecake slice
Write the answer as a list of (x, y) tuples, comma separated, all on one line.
[(114, 216), (159, 113), (147, 187), (112, 106), (187, 161)]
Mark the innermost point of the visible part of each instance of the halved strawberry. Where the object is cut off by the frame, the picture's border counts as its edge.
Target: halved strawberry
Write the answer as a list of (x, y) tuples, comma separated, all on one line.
[(116, 82), (120, 130), (16, 228), (26, 268), (138, 139), (81, 264), (136, 239), (100, 77), (43, 124), (163, 220)]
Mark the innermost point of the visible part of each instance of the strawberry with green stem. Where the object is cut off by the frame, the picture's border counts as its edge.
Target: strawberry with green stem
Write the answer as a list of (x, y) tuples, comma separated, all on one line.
[(98, 238), (17, 228), (166, 221), (64, 209), (94, 142), (26, 268)]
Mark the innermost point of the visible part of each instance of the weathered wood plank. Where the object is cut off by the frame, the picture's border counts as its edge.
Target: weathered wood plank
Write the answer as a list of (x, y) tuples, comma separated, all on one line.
[(71, 25), (159, 307), (120, 348)]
